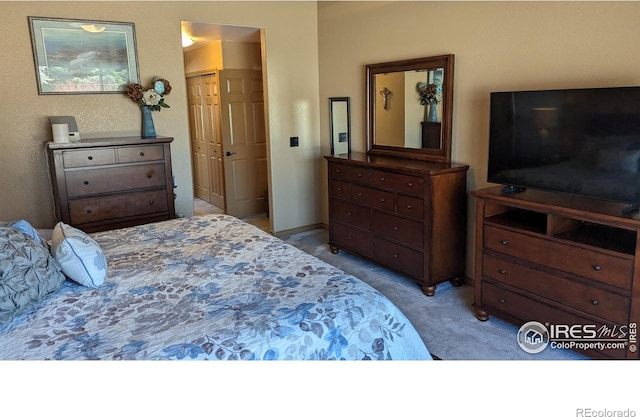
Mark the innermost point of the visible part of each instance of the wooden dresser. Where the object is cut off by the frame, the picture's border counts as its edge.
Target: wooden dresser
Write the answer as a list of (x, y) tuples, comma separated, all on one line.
[(103, 184), (408, 215), (562, 261)]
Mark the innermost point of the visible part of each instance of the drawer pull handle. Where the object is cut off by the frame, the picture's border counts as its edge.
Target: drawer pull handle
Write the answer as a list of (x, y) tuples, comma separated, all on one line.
[(396, 228), (339, 188), (348, 213), (350, 238), (149, 174), (503, 242), (90, 158), (409, 206), (503, 272), (151, 201), (359, 194), (338, 171), (86, 183), (596, 267), (382, 200), (396, 255), (141, 153), (410, 184), (502, 301), (359, 174), (594, 302), (89, 211), (381, 178)]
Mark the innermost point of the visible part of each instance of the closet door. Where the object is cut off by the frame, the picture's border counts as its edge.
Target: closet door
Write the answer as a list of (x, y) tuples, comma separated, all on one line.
[(213, 137), (199, 156)]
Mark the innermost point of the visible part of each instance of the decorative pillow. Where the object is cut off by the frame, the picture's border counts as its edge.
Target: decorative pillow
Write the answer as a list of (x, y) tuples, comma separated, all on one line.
[(26, 228), (28, 273), (80, 257)]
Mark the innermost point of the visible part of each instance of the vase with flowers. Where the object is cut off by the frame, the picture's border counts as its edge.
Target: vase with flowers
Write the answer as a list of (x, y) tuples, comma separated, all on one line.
[(149, 99), (431, 96)]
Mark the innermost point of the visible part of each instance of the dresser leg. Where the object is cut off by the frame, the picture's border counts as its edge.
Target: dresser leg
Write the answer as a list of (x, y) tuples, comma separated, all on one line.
[(334, 249), (429, 291), (482, 315)]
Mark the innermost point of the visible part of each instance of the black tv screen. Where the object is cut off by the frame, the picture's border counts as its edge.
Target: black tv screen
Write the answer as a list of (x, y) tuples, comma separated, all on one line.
[(579, 141)]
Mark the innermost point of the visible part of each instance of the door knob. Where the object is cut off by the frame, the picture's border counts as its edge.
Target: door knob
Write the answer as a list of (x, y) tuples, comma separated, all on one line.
[(227, 153)]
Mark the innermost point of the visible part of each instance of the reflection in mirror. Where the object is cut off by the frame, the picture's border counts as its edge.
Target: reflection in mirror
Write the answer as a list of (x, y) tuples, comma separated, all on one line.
[(340, 123), (409, 106)]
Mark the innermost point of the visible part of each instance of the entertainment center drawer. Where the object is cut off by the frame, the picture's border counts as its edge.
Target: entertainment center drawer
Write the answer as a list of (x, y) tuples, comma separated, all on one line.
[(595, 265), (399, 257), (89, 210), (374, 198), (350, 173), (400, 182), (525, 309), (351, 238), (351, 214), (604, 304), (113, 179), (398, 229)]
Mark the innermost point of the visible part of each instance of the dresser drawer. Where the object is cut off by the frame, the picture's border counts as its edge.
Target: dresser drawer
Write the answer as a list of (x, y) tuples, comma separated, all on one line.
[(398, 229), (89, 157), (140, 153), (400, 182), (590, 264), (399, 257), (89, 210), (351, 238), (374, 198), (595, 301), (410, 206), (525, 309), (340, 189), (105, 180), (351, 214), (350, 173)]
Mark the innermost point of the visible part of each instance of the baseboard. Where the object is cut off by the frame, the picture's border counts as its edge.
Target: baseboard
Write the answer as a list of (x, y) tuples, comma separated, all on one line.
[(289, 232)]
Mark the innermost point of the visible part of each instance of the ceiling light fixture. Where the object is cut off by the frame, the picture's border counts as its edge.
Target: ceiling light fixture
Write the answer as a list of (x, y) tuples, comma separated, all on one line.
[(187, 41)]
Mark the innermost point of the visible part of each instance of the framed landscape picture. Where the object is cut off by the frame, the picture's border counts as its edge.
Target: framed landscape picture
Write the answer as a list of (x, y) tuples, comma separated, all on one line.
[(83, 56)]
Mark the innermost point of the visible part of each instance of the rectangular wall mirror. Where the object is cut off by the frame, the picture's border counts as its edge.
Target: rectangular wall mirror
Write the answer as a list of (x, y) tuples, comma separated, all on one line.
[(340, 122)]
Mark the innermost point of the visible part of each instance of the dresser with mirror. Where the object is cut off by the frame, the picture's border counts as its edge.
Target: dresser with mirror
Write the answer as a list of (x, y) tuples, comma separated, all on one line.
[(402, 204)]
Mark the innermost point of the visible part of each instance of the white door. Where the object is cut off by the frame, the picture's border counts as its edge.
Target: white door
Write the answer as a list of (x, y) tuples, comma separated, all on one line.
[(243, 142), (198, 140)]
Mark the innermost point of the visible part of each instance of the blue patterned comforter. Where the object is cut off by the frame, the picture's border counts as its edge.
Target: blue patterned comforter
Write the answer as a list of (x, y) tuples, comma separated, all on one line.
[(212, 287)]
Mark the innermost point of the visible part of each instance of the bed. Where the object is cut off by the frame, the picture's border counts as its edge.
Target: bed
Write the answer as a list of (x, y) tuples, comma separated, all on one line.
[(211, 288)]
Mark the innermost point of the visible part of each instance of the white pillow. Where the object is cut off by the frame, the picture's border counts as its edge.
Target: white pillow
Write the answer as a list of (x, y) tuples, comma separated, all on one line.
[(80, 257)]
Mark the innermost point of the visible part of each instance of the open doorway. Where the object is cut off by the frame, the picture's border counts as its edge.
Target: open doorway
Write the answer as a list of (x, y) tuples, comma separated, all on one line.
[(223, 70)]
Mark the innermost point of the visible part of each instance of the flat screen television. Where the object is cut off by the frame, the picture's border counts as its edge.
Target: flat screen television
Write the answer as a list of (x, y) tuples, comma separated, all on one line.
[(578, 141)]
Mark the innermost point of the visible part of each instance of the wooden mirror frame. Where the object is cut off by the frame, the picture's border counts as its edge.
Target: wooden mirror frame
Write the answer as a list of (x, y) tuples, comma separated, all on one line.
[(442, 154)]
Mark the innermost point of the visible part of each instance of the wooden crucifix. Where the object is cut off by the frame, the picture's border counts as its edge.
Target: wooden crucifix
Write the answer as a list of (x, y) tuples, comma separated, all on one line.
[(385, 97)]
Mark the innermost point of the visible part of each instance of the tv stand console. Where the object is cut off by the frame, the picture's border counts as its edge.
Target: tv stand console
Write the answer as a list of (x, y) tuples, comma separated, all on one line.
[(564, 261)]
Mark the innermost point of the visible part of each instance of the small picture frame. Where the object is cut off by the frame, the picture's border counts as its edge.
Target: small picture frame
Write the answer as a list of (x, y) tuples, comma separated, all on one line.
[(83, 56)]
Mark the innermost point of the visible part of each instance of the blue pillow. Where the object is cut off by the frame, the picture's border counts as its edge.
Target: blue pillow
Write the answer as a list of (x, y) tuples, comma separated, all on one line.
[(80, 257), (26, 228), (28, 273)]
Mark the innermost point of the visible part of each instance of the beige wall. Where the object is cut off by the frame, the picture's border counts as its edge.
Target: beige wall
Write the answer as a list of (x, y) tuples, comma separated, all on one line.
[(291, 80), (498, 46)]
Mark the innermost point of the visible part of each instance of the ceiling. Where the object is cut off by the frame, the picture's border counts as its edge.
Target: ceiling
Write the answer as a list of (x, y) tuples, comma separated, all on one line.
[(204, 33)]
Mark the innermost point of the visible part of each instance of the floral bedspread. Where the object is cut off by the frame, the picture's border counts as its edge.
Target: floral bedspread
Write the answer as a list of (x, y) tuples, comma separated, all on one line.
[(212, 287)]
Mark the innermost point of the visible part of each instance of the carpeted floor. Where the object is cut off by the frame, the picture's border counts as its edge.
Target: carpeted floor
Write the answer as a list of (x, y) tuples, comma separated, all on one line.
[(445, 321)]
